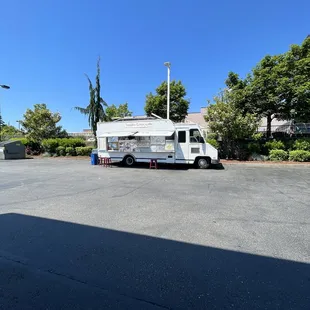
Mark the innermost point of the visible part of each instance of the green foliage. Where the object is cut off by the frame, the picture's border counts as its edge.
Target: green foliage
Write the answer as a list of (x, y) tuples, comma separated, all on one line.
[(158, 103), (299, 155), (274, 145), (254, 147), (212, 135), (231, 125), (278, 155), (70, 151), (121, 111), (213, 142), (278, 86), (61, 151), (302, 144), (84, 150), (52, 146), (71, 142), (9, 132), (95, 109), (40, 123), (228, 122), (257, 136), (2, 123)]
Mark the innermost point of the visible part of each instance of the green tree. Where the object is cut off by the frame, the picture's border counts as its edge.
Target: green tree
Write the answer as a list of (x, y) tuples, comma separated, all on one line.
[(95, 109), (121, 111), (277, 86), (40, 123), (157, 103), (229, 122), (1, 126), (8, 132), (1, 121), (295, 86)]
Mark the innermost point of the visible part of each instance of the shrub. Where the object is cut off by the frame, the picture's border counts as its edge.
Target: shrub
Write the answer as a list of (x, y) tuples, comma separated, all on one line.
[(61, 151), (302, 144), (84, 150), (71, 142), (50, 145), (212, 136), (70, 151), (276, 155), (254, 147), (299, 155), (274, 145), (213, 142), (258, 136)]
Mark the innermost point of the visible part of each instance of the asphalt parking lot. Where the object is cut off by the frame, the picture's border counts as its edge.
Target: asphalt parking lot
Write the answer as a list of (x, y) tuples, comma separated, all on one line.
[(75, 236)]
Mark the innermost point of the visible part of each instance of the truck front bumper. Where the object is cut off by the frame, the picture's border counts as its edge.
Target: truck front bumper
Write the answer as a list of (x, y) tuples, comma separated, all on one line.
[(215, 161)]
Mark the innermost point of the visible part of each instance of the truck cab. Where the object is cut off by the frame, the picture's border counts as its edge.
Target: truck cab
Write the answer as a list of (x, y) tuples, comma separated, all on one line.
[(191, 147)]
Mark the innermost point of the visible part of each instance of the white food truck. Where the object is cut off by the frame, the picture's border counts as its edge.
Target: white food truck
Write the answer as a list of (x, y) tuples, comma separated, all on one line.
[(131, 140)]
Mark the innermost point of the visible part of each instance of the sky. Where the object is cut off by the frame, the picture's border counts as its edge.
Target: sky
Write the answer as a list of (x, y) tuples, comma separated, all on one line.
[(48, 45)]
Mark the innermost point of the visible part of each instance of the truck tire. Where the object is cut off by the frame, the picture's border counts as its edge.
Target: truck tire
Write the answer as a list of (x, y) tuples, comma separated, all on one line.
[(129, 161), (203, 163)]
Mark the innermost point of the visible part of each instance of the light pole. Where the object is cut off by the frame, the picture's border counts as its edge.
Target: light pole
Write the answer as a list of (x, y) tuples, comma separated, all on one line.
[(168, 65), (4, 87)]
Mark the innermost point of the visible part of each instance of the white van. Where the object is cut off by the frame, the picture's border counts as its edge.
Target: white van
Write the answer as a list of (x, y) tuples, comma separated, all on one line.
[(131, 140)]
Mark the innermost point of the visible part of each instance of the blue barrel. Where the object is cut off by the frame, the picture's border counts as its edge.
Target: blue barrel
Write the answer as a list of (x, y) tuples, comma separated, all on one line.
[(94, 159)]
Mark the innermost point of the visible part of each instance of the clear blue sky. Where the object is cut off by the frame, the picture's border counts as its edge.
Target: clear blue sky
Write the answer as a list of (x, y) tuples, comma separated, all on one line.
[(48, 45)]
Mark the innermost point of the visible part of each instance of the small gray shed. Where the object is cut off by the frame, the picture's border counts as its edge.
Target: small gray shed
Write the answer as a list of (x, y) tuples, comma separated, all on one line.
[(12, 150)]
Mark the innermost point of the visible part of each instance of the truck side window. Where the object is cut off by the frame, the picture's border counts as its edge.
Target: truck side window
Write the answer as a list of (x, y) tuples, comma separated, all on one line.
[(195, 136), (182, 136)]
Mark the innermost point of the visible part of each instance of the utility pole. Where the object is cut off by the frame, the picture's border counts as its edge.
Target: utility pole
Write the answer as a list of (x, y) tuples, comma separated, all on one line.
[(168, 65)]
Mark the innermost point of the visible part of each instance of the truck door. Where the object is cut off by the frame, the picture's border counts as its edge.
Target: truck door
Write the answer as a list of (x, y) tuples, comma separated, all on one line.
[(182, 146), (196, 144)]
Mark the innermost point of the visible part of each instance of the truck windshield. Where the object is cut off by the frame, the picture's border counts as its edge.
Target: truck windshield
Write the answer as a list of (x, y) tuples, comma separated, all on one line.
[(195, 136)]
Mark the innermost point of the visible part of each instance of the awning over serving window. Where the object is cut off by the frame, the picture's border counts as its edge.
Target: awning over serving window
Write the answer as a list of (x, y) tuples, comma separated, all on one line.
[(154, 134), (117, 134)]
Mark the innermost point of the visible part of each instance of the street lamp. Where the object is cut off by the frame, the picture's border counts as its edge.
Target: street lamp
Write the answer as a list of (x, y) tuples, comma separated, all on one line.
[(168, 65), (4, 87)]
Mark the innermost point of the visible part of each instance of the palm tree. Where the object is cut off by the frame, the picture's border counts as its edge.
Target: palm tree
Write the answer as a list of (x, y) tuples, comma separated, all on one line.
[(95, 109)]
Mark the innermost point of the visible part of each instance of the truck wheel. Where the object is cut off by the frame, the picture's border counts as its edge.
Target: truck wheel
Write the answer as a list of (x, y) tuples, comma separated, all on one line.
[(203, 163), (129, 161)]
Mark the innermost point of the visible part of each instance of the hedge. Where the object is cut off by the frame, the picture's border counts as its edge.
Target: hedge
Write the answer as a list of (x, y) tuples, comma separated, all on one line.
[(254, 147), (84, 150), (70, 151), (61, 151), (278, 155), (302, 144), (213, 142), (274, 145), (51, 145), (299, 155)]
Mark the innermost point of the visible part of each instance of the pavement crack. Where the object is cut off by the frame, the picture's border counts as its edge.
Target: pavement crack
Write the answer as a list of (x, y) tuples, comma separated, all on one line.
[(135, 189), (83, 282)]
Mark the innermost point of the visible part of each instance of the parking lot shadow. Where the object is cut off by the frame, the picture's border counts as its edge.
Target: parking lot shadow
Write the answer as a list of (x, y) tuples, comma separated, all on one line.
[(169, 166), (49, 264)]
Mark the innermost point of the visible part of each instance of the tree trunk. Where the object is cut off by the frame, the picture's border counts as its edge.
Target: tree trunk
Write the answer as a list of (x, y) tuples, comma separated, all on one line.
[(269, 119)]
